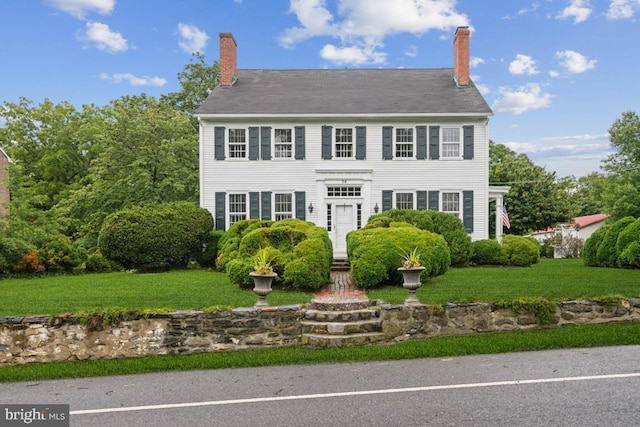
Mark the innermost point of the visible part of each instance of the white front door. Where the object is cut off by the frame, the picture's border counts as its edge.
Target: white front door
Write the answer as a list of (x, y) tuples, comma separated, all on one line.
[(344, 223)]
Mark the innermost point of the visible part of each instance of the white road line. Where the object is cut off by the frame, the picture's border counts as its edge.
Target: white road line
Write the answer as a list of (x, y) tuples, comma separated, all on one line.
[(353, 393)]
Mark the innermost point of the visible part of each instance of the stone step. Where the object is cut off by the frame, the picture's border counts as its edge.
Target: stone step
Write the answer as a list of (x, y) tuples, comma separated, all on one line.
[(340, 264), (342, 316), (329, 341), (340, 328)]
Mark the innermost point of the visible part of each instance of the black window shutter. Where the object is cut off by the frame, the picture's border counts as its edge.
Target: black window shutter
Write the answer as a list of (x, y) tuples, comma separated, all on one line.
[(265, 142), (421, 200), (434, 198), (266, 204), (361, 142), (467, 210), (253, 143), (434, 142), (387, 142), (220, 210), (326, 142), (467, 132), (387, 200), (299, 142), (218, 137), (421, 142), (254, 205), (301, 210)]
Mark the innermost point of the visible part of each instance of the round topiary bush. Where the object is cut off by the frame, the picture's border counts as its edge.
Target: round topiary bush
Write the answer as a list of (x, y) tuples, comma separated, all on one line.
[(520, 251), (628, 237), (452, 229), (376, 254), (488, 252), (607, 253), (155, 237), (591, 245)]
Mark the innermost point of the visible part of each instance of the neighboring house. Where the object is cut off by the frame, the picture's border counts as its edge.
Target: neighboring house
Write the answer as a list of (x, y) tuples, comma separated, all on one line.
[(5, 195), (581, 228), (335, 146)]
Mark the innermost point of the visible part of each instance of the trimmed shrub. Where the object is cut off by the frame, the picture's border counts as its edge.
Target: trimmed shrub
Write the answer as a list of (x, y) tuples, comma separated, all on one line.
[(58, 253), (208, 257), (301, 252), (488, 252), (155, 237), (521, 251), (591, 245), (607, 253), (97, 263), (630, 256), (628, 236), (376, 254), (450, 227)]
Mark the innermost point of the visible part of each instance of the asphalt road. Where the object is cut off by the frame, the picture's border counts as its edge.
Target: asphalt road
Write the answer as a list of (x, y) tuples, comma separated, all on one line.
[(580, 387)]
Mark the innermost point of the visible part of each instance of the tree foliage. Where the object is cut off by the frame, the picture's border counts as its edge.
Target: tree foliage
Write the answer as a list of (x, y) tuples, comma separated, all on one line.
[(535, 200)]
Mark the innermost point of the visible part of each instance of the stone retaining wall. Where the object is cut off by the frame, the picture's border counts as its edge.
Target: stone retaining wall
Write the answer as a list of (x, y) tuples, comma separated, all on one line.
[(28, 339)]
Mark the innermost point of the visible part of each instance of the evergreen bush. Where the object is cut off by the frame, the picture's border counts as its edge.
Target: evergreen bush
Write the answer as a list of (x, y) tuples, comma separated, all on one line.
[(155, 237), (627, 237), (488, 252), (521, 251), (591, 245), (11, 252), (607, 253)]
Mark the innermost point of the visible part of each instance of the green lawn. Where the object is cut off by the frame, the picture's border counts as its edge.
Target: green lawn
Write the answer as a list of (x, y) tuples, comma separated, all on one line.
[(553, 279)]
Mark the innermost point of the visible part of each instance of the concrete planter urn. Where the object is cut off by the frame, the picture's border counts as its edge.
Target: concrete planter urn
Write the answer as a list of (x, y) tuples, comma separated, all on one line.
[(411, 282), (262, 286)]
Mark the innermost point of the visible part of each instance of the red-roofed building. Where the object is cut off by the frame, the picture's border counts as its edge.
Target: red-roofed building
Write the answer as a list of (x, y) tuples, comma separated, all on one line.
[(579, 229)]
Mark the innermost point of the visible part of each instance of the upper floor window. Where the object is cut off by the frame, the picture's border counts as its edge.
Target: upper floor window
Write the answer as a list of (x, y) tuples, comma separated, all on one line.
[(237, 208), (283, 143), (344, 143), (237, 143), (404, 142), (283, 206), (451, 203), (450, 142), (404, 200)]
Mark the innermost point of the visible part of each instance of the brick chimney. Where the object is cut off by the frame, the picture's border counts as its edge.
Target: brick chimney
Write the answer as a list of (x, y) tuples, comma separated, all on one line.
[(228, 59), (461, 56)]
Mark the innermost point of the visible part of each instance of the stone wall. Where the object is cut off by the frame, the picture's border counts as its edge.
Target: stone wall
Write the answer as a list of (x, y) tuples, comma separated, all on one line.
[(28, 339)]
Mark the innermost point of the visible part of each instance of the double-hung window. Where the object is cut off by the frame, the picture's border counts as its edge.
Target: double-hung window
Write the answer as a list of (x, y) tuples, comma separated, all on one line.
[(404, 142), (237, 208), (283, 143), (450, 142), (237, 143), (283, 206), (344, 143), (404, 200), (451, 203)]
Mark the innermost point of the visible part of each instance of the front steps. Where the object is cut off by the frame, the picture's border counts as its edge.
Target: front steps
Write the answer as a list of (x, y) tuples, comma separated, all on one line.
[(340, 264), (341, 322)]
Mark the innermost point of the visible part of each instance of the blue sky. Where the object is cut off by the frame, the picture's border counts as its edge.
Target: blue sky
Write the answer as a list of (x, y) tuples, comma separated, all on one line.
[(556, 73)]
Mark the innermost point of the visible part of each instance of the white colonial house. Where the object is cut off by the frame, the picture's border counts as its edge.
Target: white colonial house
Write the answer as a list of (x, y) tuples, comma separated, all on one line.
[(335, 146)]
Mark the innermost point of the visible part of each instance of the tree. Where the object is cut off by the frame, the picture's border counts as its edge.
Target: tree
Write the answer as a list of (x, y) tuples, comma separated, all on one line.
[(197, 80), (535, 200)]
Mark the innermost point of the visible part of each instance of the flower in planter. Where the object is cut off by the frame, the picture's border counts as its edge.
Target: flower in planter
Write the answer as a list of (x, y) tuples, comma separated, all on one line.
[(411, 259)]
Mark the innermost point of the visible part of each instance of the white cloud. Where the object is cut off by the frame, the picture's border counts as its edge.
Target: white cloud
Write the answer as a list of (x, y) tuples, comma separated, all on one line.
[(351, 55), (482, 88), (362, 25), (134, 80), (523, 64), (525, 98), (578, 10), (411, 51), (574, 62), (554, 73), (192, 39), (104, 39), (80, 8), (475, 62), (623, 9)]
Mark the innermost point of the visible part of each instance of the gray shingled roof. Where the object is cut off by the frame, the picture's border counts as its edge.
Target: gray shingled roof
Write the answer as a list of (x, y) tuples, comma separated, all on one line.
[(352, 91)]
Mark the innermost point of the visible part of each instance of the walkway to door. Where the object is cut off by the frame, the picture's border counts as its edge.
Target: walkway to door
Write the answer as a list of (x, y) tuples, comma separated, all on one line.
[(341, 286)]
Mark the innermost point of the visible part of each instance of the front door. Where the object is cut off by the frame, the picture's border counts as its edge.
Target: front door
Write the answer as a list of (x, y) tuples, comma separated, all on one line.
[(344, 223)]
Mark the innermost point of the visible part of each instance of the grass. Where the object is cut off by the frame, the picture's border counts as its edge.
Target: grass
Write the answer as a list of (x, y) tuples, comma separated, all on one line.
[(491, 343), (179, 290), (552, 279)]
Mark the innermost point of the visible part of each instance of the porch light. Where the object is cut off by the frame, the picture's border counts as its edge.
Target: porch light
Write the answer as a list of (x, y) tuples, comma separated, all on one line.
[(376, 208), (310, 208)]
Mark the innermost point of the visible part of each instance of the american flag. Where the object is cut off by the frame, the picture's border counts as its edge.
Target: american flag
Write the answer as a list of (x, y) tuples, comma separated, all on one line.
[(505, 217)]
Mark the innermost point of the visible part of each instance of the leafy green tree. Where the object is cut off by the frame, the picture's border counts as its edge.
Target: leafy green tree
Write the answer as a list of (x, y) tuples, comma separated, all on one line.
[(585, 194), (197, 80), (536, 200)]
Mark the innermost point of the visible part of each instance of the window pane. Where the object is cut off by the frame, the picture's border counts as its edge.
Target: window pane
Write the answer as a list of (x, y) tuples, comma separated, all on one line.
[(404, 201), (237, 143), (404, 142), (450, 142), (283, 143), (283, 206), (451, 203), (344, 142), (237, 207)]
